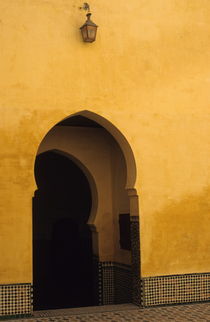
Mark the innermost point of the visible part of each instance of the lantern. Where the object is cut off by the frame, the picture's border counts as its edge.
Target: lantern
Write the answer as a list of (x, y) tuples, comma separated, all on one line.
[(89, 30)]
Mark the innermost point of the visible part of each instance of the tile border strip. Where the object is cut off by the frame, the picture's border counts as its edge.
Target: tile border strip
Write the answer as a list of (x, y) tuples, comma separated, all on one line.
[(135, 255), (16, 316), (15, 300), (175, 289), (114, 283)]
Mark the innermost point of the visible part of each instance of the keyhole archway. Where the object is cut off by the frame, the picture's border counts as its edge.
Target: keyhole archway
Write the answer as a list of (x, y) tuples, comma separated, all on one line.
[(107, 163)]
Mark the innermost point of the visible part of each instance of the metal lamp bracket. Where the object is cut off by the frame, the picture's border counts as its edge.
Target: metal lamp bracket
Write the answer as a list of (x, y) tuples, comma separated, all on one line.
[(85, 7)]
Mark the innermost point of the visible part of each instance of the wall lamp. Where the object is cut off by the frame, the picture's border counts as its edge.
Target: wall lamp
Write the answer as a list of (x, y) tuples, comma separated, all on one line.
[(89, 28)]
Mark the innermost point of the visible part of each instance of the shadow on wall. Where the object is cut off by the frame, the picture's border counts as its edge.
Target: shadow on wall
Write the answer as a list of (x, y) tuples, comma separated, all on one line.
[(179, 237)]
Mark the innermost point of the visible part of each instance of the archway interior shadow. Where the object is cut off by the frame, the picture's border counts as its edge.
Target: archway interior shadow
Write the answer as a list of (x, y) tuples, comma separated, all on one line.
[(62, 244)]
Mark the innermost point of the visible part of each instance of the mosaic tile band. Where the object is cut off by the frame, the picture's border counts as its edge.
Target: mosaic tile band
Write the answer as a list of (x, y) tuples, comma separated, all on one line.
[(175, 289), (15, 300), (115, 283), (135, 251)]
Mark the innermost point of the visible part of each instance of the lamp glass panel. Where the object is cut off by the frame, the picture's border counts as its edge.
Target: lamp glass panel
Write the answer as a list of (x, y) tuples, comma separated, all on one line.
[(84, 33), (91, 32)]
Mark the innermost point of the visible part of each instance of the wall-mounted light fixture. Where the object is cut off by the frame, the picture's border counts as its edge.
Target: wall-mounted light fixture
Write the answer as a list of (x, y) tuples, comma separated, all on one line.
[(89, 29)]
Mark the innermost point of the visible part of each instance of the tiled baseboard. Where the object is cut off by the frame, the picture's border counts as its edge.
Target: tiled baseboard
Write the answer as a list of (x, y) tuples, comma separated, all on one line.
[(115, 283), (15, 300), (115, 287), (175, 289), (135, 266)]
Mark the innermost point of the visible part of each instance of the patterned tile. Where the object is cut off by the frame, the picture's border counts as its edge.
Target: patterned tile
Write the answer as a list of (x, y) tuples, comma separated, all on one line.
[(115, 283), (15, 299), (135, 251), (176, 289), (123, 282)]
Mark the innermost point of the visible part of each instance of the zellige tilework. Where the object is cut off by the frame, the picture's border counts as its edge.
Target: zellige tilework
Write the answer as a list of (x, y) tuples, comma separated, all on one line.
[(15, 299), (175, 289), (115, 283), (135, 251)]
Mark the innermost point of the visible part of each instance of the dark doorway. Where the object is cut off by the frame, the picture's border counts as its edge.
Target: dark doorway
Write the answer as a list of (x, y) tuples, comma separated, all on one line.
[(62, 244)]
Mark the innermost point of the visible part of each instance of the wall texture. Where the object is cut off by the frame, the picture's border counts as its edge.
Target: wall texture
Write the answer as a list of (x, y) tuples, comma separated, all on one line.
[(148, 74)]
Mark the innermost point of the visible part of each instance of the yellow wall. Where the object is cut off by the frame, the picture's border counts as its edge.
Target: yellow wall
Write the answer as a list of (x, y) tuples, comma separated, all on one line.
[(147, 73)]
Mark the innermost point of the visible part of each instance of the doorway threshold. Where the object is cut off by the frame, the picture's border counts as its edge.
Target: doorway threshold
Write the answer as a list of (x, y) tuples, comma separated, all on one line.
[(84, 310)]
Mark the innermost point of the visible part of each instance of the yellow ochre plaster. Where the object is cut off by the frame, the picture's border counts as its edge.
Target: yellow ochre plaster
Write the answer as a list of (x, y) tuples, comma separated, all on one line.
[(148, 74)]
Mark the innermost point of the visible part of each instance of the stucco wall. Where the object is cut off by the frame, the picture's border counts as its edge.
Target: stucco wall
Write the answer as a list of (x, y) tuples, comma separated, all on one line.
[(148, 74)]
